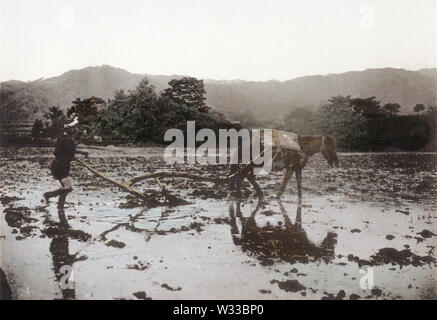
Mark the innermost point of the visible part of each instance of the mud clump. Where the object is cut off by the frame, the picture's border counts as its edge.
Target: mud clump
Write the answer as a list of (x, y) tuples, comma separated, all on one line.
[(197, 226), (289, 285), (403, 258), (19, 219), (27, 230), (154, 199), (134, 202), (166, 286), (376, 292), (209, 193), (395, 257), (426, 234), (16, 217), (140, 266), (174, 201), (340, 296), (268, 213), (267, 262), (264, 291), (5, 200), (361, 262), (115, 244), (141, 295), (193, 226)]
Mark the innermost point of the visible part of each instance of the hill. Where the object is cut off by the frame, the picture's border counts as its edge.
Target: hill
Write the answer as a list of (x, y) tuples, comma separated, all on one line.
[(263, 99)]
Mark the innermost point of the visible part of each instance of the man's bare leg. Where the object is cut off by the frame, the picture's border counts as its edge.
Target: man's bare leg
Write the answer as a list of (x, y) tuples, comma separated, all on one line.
[(66, 188), (62, 192)]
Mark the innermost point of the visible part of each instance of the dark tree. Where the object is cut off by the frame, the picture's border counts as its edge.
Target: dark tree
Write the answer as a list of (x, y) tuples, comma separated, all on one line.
[(86, 110), (131, 115), (366, 106), (419, 108), (188, 91), (340, 119), (55, 123), (37, 129), (391, 108), (54, 114), (141, 115), (339, 101)]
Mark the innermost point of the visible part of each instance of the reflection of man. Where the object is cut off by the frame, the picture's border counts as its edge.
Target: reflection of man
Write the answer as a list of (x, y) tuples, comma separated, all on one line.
[(62, 261), (66, 147)]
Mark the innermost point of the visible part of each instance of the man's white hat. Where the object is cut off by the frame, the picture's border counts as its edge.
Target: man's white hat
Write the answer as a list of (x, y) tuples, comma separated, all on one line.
[(72, 123)]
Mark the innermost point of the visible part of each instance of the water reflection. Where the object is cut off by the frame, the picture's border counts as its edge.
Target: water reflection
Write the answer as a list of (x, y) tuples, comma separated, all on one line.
[(62, 259), (288, 242)]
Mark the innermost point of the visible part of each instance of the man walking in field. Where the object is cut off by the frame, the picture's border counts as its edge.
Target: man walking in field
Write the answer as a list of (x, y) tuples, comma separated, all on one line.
[(65, 149)]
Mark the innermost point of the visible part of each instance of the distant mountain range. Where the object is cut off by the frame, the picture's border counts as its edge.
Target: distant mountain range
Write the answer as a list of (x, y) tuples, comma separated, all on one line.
[(264, 99)]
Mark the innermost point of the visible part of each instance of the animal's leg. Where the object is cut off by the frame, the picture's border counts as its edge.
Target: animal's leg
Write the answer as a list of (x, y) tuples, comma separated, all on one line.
[(236, 237), (285, 181), (243, 173), (299, 184), (232, 182), (287, 220), (258, 190), (304, 159), (239, 215), (238, 181), (233, 221), (298, 221), (235, 182)]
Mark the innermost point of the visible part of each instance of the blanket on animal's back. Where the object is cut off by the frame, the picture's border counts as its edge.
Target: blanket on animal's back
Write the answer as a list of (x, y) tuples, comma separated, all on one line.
[(283, 139)]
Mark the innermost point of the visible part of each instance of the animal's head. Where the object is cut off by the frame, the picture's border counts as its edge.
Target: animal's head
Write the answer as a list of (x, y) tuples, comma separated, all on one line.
[(329, 150)]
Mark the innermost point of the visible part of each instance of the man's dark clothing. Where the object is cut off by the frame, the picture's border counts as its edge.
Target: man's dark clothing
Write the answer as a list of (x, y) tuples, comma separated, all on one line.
[(64, 154)]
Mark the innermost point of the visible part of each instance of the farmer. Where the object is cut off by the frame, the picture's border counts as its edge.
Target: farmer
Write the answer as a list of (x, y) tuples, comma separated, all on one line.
[(66, 147)]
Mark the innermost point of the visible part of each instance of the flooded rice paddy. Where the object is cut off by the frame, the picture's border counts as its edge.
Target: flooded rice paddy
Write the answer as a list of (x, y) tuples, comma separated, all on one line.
[(367, 230)]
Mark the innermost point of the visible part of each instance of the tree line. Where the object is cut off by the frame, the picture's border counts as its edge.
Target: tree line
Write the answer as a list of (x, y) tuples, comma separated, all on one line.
[(144, 115), (363, 124), (139, 115)]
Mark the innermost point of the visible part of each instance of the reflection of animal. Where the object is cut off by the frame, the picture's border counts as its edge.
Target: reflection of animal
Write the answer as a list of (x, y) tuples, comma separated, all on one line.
[(290, 151), (270, 242)]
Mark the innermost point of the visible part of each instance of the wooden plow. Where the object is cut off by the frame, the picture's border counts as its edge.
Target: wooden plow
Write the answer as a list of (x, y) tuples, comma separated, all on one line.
[(127, 186)]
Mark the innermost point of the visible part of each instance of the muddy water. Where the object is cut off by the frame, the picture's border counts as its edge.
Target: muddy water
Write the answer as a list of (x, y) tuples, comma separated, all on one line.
[(374, 219)]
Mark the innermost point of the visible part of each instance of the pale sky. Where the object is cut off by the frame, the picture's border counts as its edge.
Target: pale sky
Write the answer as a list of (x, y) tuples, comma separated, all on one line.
[(216, 39)]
